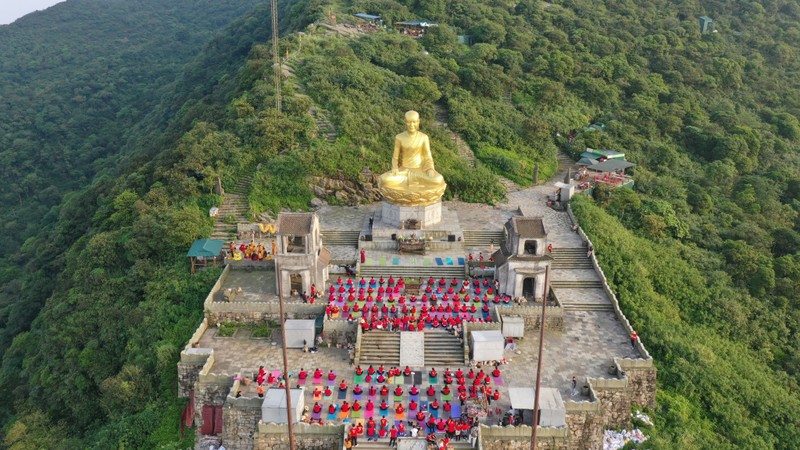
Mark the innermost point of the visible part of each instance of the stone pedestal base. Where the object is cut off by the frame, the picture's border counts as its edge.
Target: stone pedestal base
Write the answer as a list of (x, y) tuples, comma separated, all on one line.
[(396, 215)]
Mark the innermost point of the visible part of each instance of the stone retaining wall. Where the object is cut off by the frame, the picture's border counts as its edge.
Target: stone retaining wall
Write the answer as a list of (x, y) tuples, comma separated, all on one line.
[(338, 331), (239, 420), (258, 312), (585, 422), (511, 437), (532, 316), (272, 436)]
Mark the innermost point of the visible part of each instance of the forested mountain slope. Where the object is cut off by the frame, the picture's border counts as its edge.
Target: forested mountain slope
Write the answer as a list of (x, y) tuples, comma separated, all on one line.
[(88, 90), (76, 83), (703, 255)]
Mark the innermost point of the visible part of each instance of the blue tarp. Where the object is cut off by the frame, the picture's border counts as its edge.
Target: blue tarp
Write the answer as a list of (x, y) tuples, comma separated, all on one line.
[(205, 248), (367, 16)]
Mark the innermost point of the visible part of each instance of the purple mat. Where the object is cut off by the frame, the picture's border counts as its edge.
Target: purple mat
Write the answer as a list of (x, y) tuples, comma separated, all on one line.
[(358, 396), (455, 411), (316, 416), (498, 381), (332, 382)]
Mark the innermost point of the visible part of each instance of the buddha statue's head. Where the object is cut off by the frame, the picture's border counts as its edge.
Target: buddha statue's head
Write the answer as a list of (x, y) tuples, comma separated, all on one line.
[(412, 121)]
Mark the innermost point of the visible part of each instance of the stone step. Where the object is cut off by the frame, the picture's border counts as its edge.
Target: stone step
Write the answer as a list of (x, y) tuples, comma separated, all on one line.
[(572, 266), (577, 284), (231, 212), (586, 307), (388, 245), (568, 251), (446, 272), (381, 444)]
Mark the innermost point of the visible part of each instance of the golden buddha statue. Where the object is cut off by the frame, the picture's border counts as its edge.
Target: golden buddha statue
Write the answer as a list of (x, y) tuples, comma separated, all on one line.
[(413, 181)]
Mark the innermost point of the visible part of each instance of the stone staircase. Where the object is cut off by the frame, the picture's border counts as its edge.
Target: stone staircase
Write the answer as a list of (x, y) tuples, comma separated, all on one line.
[(380, 347), (464, 150), (446, 272), (508, 184), (325, 128), (484, 238), (234, 209), (443, 349), (381, 444), (570, 258), (346, 238)]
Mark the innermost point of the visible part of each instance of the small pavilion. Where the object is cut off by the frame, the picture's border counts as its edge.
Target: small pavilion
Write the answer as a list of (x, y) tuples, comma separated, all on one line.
[(205, 252)]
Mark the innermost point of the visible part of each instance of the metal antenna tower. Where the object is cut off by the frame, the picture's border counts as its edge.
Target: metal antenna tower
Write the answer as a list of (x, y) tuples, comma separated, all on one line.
[(276, 55)]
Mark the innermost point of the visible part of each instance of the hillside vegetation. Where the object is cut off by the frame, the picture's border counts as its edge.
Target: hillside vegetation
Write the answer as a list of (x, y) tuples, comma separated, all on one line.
[(703, 255)]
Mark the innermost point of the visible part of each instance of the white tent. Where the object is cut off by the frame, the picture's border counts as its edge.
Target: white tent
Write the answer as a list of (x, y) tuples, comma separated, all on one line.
[(274, 407), (487, 345), (551, 407), (567, 190), (297, 331)]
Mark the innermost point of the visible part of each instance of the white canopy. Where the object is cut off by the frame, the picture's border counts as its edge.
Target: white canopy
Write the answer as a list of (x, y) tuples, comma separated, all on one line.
[(521, 397), (551, 407)]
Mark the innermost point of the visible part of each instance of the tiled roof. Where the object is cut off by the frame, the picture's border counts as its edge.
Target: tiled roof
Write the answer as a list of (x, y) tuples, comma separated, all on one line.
[(324, 255), (295, 224), (529, 227)]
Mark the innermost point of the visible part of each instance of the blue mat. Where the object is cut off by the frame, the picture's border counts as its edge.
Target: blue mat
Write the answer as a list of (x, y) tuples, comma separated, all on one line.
[(333, 416), (435, 413), (449, 261), (455, 411), (439, 261), (396, 261), (383, 412), (460, 261)]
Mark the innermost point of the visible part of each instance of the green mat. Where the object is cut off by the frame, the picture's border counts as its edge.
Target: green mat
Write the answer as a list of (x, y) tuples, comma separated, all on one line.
[(382, 261), (426, 262)]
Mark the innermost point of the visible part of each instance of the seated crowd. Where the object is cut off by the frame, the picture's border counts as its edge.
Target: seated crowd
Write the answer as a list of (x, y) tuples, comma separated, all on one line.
[(251, 251), (384, 304)]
